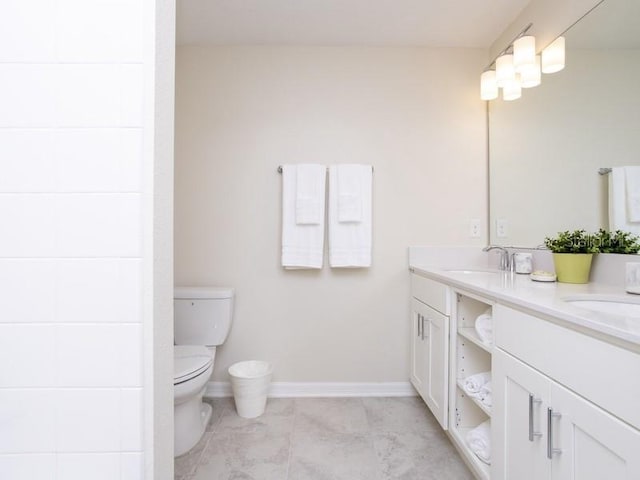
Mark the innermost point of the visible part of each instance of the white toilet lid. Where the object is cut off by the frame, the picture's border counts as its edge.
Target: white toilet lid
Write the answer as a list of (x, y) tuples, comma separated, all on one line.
[(190, 361)]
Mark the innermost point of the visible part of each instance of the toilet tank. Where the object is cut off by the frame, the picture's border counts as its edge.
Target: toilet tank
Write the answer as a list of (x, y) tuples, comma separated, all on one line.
[(202, 315)]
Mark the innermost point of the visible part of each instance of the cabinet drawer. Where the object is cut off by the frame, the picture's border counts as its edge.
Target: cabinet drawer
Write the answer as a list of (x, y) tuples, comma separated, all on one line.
[(605, 374), (430, 292)]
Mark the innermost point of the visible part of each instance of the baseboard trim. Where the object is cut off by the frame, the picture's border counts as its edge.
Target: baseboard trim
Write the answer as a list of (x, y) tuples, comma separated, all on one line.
[(322, 389)]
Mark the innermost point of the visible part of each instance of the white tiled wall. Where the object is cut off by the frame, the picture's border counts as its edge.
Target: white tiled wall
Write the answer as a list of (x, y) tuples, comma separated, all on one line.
[(71, 132)]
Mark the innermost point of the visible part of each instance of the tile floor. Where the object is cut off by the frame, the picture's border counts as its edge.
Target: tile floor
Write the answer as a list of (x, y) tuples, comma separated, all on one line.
[(324, 439)]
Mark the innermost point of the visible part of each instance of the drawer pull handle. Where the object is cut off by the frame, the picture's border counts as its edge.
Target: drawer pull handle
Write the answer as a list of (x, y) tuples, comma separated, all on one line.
[(550, 450), (532, 434)]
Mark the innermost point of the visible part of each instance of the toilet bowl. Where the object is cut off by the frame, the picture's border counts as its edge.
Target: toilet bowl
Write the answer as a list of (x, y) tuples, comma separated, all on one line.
[(202, 319), (193, 365)]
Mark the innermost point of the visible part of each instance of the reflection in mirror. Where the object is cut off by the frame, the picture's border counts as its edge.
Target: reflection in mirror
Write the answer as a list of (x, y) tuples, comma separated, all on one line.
[(547, 147)]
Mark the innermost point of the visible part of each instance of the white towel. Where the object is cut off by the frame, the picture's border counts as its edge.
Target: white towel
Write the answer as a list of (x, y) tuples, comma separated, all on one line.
[(632, 190), (350, 242), (479, 441), (484, 327), (310, 188), (473, 384), (350, 192), (618, 218), (485, 395), (302, 245)]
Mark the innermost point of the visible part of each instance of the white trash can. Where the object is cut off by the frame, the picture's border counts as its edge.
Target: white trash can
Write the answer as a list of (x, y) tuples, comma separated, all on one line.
[(250, 384)]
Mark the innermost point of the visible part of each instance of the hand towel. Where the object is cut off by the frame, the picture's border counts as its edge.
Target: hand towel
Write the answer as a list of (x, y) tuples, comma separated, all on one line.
[(473, 384), (350, 242), (485, 395), (310, 188), (350, 192), (484, 327), (632, 190), (302, 245), (618, 218), (479, 441)]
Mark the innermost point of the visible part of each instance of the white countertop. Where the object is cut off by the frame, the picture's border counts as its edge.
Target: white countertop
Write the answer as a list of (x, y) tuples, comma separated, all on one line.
[(546, 299)]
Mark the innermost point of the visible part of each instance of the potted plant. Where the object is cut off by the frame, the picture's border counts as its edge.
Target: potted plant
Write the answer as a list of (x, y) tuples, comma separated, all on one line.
[(617, 242), (572, 255)]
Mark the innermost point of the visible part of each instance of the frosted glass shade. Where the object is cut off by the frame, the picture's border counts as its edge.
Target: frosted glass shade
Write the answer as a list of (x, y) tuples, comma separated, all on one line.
[(512, 90), (531, 75), (553, 56), (505, 72), (488, 85), (524, 52)]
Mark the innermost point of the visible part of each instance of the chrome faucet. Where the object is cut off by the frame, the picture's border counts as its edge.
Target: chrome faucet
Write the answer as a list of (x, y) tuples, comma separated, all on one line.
[(505, 258)]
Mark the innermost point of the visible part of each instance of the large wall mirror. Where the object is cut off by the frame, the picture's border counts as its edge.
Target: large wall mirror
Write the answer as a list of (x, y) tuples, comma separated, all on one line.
[(546, 148)]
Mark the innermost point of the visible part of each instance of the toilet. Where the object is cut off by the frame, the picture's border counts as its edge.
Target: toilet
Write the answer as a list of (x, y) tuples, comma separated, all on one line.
[(202, 319)]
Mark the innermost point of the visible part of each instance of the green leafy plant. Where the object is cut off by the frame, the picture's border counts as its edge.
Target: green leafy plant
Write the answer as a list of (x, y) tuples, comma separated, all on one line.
[(617, 242), (578, 241)]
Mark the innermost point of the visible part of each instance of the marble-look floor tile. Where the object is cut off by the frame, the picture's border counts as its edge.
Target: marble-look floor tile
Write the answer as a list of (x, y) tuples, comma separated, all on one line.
[(325, 416), (277, 418), (245, 456), (419, 456), (185, 465), (405, 414), (219, 407), (341, 456)]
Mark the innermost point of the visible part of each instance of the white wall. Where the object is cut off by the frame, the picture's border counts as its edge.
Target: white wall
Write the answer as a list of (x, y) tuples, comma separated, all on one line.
[(71, 248), (413, 113)]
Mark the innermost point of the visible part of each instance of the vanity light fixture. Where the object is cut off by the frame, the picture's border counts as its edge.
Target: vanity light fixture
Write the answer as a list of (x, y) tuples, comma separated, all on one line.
[(505, 70), (488, 85), (553, 56), (524, 52), (531, 75), (518, 66)]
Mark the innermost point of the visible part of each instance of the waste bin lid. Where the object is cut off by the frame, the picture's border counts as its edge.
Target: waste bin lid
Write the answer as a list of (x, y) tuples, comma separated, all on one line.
[(190, 361), (250, 369)]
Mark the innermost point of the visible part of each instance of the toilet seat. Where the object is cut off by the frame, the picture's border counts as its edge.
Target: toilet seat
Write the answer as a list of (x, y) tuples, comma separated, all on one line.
[(189, 361)]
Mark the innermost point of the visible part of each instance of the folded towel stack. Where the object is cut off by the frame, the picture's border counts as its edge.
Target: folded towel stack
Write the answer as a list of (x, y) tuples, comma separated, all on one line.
[(479, 441), (485, 395), (484, 327), (474, 383), (303, 191), (350, 215)]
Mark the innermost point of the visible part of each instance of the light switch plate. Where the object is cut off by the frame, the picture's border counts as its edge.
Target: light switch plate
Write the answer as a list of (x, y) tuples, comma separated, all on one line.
[(474, 228), (502, 229)]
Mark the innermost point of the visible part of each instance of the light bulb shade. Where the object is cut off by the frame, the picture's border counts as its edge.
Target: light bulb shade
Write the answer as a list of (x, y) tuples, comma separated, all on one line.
[(505, 71), (530, 75), (553, 56), (512, 90), (524, 52), (488, 85)]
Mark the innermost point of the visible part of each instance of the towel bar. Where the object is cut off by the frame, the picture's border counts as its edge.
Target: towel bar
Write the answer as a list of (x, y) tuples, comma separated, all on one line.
[(280, 169)]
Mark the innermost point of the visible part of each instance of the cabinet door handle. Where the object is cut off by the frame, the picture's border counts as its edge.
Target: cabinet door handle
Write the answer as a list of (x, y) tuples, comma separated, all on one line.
[(550, 416), (532, 434), (423, 319), (419, 324)]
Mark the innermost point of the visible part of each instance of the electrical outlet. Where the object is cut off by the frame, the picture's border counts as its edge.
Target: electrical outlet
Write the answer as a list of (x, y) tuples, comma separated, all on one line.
[(474, 228), (502, 229)]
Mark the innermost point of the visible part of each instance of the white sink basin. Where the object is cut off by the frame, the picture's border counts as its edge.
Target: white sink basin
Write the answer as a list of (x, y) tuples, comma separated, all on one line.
[(612, 305)]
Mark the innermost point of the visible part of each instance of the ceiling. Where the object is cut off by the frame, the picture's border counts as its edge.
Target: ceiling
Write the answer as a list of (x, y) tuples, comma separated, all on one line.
[(435, 23)]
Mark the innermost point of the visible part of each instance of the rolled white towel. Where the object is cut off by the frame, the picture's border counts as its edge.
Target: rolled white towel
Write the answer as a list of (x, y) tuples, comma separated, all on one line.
[(485, 394), (479, 441), (474, 383), (484, 327)]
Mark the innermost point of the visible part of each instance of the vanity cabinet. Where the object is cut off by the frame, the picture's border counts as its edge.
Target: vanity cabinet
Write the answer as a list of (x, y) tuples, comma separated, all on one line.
[(542, 430), (430, 345), (546, 424)]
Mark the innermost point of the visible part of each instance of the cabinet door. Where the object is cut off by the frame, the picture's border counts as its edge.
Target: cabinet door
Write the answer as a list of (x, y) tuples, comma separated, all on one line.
[(588, 443), (430, 359), (518, 430), (418, 372)]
